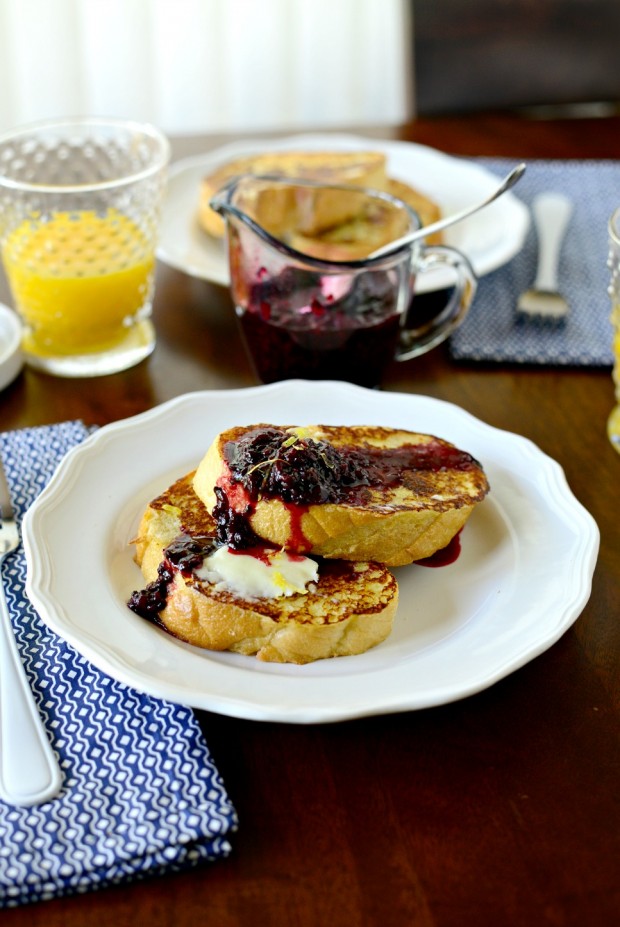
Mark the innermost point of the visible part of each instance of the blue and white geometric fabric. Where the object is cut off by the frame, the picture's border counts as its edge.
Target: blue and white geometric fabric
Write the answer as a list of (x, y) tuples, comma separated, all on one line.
[(141, 795), (491, 331)]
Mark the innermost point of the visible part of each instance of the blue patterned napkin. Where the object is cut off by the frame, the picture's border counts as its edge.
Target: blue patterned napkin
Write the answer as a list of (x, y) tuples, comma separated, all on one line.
[(491, 333), (141, 795)]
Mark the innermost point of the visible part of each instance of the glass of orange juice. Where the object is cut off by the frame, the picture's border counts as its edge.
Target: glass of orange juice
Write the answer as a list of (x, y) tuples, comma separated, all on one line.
[(79, 215), (613, 423)]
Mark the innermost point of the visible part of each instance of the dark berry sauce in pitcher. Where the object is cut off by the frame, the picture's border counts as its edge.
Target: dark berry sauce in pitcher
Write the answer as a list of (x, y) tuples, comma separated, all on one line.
[(292, 332)]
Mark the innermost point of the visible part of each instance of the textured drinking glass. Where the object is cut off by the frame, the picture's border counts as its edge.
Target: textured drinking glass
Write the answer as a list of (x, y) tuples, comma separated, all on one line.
[(79, 215), (613, 423)]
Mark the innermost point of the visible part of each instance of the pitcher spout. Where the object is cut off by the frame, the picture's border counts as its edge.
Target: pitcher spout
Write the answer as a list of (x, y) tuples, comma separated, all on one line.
[(324, 222)]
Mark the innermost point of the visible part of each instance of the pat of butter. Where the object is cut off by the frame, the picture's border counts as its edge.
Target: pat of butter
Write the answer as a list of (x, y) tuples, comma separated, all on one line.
[(275, 573)]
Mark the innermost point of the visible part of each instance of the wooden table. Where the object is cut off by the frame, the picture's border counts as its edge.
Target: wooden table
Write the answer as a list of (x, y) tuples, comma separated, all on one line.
[(501, 809)]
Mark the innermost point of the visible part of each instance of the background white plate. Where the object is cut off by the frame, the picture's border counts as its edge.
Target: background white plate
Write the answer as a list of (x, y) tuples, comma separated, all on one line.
[(489, 238), (523, 577), (11, 357)]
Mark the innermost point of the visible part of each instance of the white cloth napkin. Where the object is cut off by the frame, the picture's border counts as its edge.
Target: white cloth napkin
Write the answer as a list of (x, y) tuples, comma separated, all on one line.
[(141, 793)]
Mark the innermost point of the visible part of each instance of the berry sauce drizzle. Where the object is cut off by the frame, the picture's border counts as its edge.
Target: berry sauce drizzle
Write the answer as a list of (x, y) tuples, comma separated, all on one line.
[(272, 463), (301, 472), (183, 555)]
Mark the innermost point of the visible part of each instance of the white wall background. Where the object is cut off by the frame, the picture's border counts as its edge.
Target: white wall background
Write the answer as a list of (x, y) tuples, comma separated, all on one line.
[(207, 65)]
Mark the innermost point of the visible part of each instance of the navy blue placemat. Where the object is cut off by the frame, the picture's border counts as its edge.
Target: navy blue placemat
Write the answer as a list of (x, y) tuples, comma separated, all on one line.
[(141, 794), (491, 331)]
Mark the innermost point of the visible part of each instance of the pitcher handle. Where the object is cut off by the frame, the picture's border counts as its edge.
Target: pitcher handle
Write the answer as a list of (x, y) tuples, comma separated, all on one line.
[(416, 341)]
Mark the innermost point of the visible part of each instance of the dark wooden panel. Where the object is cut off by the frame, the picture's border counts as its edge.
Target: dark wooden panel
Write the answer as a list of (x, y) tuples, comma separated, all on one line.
[(495, 54)]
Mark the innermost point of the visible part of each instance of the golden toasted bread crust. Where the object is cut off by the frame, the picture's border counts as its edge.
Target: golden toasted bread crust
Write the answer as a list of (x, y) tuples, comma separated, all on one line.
[(357, 168), (395, 524), (349, 610), (427, 209), (339, 229), (175, 511), (347, 614), (355, 237), (366, 231)]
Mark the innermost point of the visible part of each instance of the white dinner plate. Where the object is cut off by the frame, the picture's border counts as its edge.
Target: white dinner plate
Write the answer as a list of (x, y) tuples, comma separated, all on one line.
[(489, 239), (523, 576)]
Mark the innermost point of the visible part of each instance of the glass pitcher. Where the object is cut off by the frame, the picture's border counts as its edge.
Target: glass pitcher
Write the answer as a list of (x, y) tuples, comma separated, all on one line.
[(312, 301)]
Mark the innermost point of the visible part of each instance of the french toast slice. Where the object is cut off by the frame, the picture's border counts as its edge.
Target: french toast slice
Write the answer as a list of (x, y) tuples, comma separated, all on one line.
[(343, 492), (347, 610), (369, 229), (354, 168)]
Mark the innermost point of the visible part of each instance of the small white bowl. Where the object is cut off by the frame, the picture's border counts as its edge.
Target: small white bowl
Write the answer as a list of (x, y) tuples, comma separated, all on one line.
[(11, 357)]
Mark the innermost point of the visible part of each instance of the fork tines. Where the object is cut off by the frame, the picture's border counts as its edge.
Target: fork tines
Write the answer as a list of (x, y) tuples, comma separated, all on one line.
[(545, 306)]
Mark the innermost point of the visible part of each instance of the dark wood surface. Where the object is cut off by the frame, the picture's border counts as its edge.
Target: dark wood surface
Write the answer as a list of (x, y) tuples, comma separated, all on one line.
[(501, 809), (477, 56)]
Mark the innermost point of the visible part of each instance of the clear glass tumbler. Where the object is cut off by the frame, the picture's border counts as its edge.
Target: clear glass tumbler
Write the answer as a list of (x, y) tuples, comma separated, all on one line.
[(613, 423), (79, 216)]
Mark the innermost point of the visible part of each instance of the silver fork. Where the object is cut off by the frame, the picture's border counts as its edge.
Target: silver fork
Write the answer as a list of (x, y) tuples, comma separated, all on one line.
[(543, 301), (29, 771)]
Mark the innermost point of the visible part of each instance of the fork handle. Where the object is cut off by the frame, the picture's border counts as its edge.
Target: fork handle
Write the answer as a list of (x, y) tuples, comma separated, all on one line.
[(552, 212), (29, 771)]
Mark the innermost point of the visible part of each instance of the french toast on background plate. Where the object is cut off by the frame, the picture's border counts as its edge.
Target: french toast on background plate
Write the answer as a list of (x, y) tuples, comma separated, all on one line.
[(357, 169), (338, 229)]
